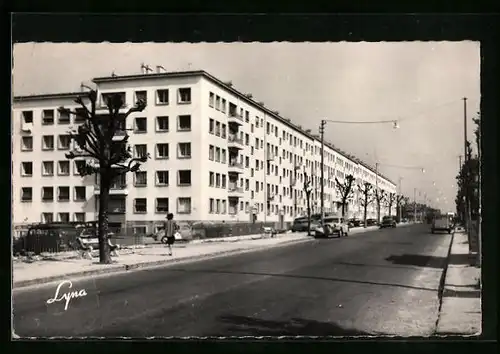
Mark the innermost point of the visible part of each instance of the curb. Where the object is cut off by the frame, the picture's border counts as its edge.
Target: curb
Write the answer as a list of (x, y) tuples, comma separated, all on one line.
[(442, 281), (127, 267)]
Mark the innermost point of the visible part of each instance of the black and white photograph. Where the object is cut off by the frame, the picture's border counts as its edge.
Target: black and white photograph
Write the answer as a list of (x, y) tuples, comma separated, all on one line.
[(246, 189)]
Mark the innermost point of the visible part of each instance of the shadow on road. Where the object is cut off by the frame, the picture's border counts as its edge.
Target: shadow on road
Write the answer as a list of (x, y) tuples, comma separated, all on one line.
[(296, 276), (251, 326), (460, 259), (418, 260)]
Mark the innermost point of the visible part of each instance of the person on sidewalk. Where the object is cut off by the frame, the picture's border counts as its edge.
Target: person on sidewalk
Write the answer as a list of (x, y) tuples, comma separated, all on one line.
[(170, 228)]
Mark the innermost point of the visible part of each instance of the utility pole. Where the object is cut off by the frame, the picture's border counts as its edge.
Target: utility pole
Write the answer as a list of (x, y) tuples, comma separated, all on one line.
[(322, 133), (400, 194), (415, 205), (466, 174)]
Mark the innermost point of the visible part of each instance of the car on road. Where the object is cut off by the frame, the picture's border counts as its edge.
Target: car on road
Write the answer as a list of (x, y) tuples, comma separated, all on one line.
[(299, 225), (442, 223), (332, 226), (371, 222), (354, 222), (387, 221)]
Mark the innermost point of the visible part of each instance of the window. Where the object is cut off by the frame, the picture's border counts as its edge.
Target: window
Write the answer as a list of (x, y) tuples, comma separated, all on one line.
[(141, 96), (211, 205), (63, 194), (184, 178), (79, 217), (47, 194), (26, 194), (47, 168), (162, 96), (211, 179), (48, 116), (184, 151), (47, 218), (27, 116), (63, 217), (48, 142), (63, 169), (247, 117), (162, 151), (223, 106), (247, 139), (211, 98), (79, 164), (140, 230), (105, 97), (224, 208), (27, 143), (80, 194), (217, 103), (64, 142), (184, 123), (211, 126), (223, 156), (141, 178), (162, 124), (184, 95), (162, 205), (140, 150), (251, 128), (141, 125), (217, 206), (211, 152), (27, 169), (80, 115), (183, 205), (223, 182), (162, 178), (217, 129), (217, 180), (217, 154), (140, 205), (223, 131), (64, 118)]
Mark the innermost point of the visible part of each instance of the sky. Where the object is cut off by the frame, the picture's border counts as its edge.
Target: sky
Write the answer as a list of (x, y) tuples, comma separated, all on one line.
[(419, 84)]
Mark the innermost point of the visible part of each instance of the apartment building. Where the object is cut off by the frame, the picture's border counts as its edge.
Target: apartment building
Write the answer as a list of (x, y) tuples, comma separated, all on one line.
[(217, 154)]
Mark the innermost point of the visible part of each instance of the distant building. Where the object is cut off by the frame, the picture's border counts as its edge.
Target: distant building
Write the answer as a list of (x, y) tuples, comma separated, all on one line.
[(216, 155)]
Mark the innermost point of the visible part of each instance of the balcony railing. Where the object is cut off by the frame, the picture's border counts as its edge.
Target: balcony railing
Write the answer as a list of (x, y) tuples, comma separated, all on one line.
[(234, 139), (114, 186), (235, 189), (236, 164), (235, 118)]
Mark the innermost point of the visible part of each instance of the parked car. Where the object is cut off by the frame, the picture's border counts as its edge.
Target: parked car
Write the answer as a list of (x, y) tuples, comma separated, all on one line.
[(354, 222), (442, 223), (332, 226), (300, 224), (387, 221), (371, 222)]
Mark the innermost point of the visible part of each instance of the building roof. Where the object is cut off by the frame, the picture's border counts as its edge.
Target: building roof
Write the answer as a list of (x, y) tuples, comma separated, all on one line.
[(46, 96)]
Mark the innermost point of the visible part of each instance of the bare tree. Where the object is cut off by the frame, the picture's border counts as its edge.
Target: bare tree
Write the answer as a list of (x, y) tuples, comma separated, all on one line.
[(380, 196), (367, 198), (346, 191), (105, 153), (390, 200), (307, 190)]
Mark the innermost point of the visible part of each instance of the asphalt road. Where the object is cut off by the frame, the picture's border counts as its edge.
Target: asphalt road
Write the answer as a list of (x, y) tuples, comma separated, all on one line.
[(379, 282)]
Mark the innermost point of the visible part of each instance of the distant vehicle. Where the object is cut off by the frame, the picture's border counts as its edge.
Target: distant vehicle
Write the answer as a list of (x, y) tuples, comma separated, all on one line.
[(332, 226), (299, 225), (371, 222), (354, 222), (442, 223), (387, 221)]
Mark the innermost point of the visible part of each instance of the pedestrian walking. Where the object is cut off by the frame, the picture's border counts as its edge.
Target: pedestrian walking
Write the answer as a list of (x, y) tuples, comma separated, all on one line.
[(170, 228)]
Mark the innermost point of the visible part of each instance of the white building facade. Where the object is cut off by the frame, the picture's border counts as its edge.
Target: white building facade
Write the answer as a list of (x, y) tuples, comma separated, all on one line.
[(216, 155)]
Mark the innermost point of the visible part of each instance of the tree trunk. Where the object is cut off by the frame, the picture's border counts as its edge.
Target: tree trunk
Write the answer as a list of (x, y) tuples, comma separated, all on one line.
[(343, 209), (365, 207), (378, 211), (390, 207), (104, 251), (308, 214)]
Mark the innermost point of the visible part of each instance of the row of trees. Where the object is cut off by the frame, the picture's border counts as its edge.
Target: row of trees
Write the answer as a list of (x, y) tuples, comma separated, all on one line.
[(468, 178), (368, 194)]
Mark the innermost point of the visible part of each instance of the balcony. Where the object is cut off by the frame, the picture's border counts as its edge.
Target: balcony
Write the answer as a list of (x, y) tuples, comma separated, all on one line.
[(116, 189), (270, 197), (235, 167), (235, 118), (233, 142), (235, 192), (270, 156)]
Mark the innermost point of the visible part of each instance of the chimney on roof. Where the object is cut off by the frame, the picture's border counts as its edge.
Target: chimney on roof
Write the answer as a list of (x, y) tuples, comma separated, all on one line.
[(288, 120), (261, 103), (249, 95), (159, 68), (113, 74), (308, 131), (145, 68), (299, 126), (229, 83), (276, 112)]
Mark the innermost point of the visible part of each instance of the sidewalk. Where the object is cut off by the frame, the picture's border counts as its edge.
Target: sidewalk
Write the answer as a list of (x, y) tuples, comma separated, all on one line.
[(461, 303), (69, 264)]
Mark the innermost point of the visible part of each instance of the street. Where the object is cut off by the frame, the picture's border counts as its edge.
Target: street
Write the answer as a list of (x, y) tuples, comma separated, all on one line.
[(378, 282)]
